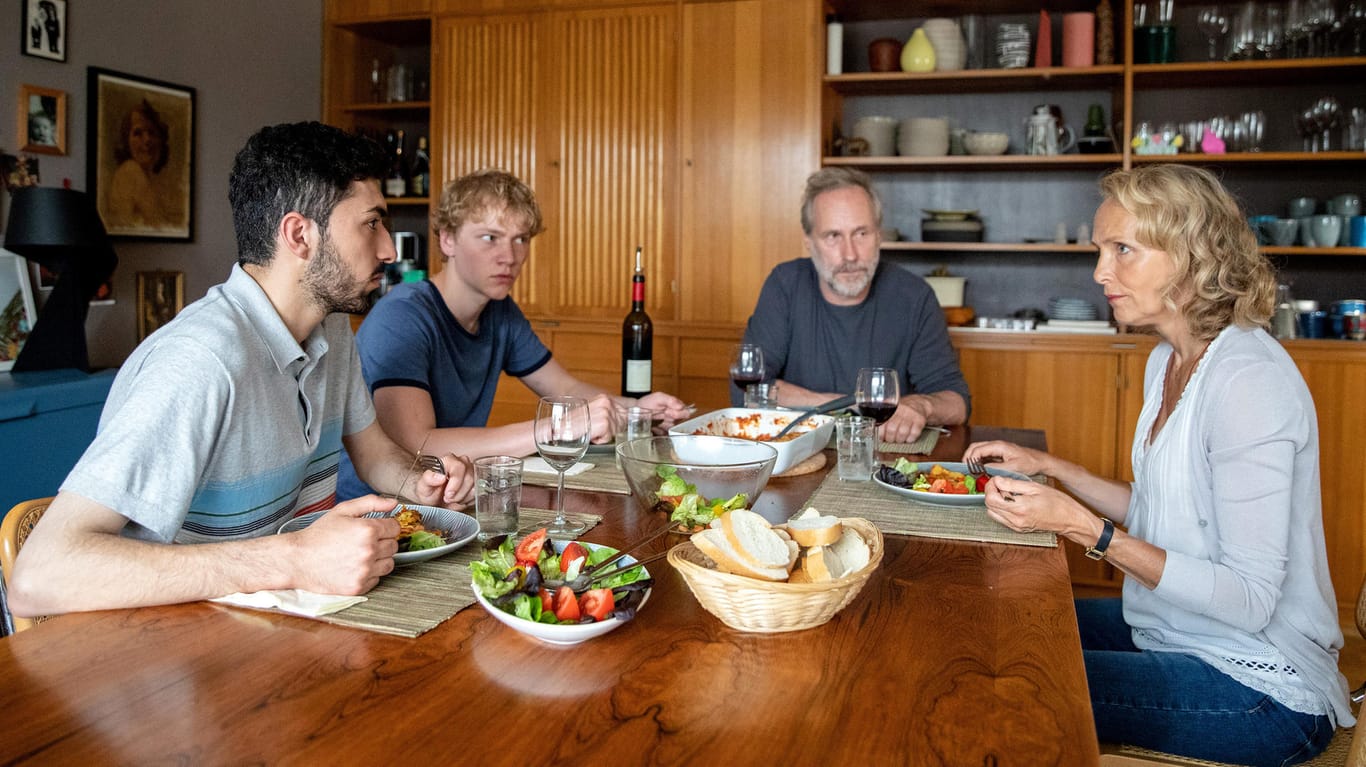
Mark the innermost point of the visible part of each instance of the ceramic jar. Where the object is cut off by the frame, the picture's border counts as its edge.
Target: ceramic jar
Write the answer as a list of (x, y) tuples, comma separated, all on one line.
[(884, 55), (918, 54)]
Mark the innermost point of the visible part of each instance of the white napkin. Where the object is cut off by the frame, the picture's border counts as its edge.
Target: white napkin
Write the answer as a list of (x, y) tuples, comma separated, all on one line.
[(537, 465), (293, 601)]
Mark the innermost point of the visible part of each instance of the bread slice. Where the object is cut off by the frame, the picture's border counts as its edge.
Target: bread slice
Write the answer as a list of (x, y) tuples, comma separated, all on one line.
[(821, 565), (815, 530), (852, 550), (714, 543), (753, 540), (792, 548)]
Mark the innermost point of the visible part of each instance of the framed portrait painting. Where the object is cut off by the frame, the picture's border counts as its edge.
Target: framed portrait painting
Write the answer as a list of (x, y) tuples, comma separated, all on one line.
[(161, 296), (17, 310), (140, 162), (42, 28), (42, 120)]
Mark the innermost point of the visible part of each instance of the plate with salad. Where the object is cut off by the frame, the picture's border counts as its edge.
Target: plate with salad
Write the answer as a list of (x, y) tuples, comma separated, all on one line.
[(939, 482), (425, 532), (526, 586)]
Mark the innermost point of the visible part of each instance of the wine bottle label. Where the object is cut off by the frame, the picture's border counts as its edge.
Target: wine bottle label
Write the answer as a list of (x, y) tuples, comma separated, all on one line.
[(639, 376), (394, 187)]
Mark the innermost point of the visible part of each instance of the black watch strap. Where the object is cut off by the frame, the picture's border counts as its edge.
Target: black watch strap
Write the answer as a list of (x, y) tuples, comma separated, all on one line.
[(1098, 551)]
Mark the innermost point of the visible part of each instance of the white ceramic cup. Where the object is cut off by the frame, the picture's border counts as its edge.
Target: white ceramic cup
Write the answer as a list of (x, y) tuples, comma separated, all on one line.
[(879, 132), (1325, 229)]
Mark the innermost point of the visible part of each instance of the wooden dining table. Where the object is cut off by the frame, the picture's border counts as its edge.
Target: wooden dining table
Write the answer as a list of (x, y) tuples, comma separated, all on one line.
[(954, 653)]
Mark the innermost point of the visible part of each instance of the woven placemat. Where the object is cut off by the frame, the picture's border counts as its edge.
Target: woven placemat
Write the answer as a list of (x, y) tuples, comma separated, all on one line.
[(415, 599), (924, 444), (604, 477), (895, 513)]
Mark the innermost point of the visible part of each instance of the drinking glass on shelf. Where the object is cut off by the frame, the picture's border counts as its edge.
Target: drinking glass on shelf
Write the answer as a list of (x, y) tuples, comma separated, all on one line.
[(746, 365), (876, 393), (1213, 24), (562, 429)]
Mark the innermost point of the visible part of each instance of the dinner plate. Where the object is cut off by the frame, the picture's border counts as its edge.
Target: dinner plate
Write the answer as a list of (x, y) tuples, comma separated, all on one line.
[(460, 529), (944, 499), (950, 215)]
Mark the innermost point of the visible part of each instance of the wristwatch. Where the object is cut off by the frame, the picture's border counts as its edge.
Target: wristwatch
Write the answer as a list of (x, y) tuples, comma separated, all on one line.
[(1097, 551)]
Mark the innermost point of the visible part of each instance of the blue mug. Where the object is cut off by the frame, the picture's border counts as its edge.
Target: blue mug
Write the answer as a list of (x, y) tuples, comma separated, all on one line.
[(1358, 232)]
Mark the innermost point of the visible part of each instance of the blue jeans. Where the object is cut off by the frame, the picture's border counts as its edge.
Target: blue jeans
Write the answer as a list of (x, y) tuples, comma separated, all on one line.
[(1178, 704)]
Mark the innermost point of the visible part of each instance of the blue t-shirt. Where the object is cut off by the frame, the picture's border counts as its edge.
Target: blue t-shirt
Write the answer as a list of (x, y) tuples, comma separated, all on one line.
[(410, 338)]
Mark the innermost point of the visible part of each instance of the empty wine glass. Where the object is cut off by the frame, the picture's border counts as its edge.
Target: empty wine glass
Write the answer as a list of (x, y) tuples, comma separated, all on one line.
[(1213, 24), (562, 429), (876, 393), (746, 365)]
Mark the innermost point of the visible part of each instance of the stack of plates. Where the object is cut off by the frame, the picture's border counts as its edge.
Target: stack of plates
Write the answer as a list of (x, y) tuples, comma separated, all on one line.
[(1071, 309), (1012, 45), (951, 226), (949, 51)]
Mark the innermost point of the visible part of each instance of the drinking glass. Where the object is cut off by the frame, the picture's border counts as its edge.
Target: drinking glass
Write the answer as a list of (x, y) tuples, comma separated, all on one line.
[(562, 429), (1213, 24), (746, 365), (876, 393)]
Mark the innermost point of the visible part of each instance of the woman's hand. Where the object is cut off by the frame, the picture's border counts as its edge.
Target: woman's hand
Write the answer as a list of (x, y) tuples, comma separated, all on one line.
[(1026, 507), (1008, 455)]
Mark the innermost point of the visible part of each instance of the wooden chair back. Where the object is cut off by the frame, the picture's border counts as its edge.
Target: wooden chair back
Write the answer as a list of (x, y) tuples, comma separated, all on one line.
[(14, 531)]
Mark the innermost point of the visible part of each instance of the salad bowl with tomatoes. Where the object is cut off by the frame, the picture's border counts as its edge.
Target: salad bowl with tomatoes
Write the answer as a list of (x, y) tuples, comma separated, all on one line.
[(940, 483), (524, 584)]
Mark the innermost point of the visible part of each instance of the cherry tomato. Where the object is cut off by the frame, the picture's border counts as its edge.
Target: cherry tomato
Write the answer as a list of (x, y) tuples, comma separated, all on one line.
[(528, 551), (566, 605), (547, 605), (598, 603), (572, 551)]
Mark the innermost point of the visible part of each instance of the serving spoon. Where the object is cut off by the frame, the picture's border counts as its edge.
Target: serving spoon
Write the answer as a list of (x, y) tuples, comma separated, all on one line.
[(839, 403)]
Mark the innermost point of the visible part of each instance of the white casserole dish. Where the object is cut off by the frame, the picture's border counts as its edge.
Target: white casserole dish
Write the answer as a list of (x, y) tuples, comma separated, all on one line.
[(748, 423)]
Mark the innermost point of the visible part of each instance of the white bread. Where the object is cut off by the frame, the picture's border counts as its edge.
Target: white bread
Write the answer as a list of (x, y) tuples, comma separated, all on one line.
[(852, 550), (754, 541), (815, 530), (821, 565), (714, 543), (792, 548)]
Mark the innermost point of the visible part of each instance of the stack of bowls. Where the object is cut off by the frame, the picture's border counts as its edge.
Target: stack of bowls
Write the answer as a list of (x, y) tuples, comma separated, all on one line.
[(950, 52), (1012, 45), (1071, 309), (923, 137)]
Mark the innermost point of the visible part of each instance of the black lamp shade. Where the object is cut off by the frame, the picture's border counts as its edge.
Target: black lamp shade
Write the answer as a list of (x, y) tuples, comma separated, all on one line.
[(60, 229)]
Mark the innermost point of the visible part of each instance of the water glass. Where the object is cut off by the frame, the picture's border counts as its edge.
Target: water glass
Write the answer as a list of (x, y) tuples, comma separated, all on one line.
[(637, 422), (762, 396), (497, 494), (855, 441)]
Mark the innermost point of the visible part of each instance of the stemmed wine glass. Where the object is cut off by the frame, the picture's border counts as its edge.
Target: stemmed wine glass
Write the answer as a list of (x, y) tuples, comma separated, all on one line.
[(876, 393), (1213, 23), (562, 430), (746, 365)]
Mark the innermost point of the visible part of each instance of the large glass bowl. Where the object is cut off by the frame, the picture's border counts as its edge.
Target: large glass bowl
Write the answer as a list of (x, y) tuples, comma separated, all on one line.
[(720, 467)]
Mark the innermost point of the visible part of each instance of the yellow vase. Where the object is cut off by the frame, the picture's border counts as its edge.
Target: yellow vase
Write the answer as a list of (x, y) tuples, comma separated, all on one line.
[(918, 55)]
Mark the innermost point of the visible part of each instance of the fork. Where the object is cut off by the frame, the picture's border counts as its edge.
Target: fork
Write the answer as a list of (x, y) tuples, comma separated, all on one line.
[(977, 465), (431, 463)]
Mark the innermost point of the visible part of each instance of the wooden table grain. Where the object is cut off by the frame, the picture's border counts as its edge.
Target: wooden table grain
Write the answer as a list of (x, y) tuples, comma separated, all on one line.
[(955, 653)]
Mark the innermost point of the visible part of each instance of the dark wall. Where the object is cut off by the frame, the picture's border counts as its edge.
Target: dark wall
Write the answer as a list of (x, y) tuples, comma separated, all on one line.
[(251, 63)]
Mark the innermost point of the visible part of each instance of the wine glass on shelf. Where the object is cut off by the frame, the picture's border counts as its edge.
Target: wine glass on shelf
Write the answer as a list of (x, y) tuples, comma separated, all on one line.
[(1213, 24), (876, 393), (562, 429), (746, 365)]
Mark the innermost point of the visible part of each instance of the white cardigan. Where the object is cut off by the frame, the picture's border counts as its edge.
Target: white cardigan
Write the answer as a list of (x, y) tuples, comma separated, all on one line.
[(1230, 489)]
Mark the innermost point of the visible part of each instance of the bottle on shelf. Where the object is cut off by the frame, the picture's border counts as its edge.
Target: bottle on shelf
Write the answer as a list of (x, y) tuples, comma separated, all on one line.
[(396, 183), (637, 340), (376, 82), (420, 172)]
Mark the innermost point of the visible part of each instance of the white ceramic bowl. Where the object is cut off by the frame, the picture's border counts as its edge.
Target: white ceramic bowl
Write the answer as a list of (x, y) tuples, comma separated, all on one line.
[(747, 423), (986, 143), (560, 634)]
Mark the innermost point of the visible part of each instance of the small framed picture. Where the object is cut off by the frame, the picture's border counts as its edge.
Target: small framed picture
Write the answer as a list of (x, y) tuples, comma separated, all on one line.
[(140, 160), (42, 28), (161, 296), (17, 172), (17, 311), (42, 120)]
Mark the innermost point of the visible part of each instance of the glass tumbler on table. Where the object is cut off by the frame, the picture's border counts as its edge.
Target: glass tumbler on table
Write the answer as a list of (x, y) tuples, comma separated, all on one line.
[(876, 393), (637, 422), (562, 429), (497, 494), (855, 444)]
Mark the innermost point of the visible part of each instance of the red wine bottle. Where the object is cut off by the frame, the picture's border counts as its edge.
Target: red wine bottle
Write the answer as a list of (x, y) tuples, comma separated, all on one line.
[(637, 340)]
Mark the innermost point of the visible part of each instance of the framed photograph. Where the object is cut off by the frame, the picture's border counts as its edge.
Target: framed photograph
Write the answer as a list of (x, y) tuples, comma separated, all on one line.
[(17, 311), (140, 162), (17, 172), (161, 296), (42, 120), (42, 28)]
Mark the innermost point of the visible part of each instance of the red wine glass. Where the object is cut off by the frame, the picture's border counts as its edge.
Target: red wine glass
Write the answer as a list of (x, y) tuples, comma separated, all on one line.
[(746, 365), (876, 393)]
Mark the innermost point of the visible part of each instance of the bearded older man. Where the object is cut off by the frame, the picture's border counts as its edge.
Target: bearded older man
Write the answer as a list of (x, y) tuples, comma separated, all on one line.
[(820, 320)]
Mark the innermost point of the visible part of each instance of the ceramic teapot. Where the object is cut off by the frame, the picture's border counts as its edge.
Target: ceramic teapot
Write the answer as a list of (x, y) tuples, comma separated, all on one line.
[(1043, 135)]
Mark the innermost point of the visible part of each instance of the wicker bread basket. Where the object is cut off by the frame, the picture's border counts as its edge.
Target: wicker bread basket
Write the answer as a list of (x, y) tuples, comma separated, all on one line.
[(750, 604)]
